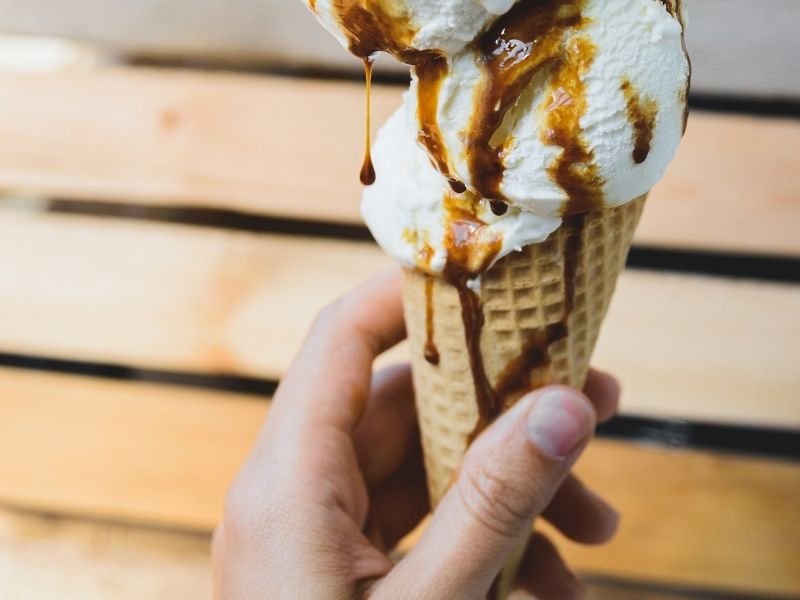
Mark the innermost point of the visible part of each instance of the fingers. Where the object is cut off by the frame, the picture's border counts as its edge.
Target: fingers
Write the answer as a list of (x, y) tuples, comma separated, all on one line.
[(507, 478), (388, 431), (544, 573), (580, 514), (329, 380), (604, 391)]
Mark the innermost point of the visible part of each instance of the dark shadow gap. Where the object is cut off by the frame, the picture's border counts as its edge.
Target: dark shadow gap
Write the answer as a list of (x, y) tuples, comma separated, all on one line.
[(222, 382), (760, 106), (671, 433), (761, 267), (657, 590)]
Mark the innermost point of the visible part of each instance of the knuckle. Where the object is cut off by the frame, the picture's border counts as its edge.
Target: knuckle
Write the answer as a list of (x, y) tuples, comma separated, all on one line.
[(492, 501)]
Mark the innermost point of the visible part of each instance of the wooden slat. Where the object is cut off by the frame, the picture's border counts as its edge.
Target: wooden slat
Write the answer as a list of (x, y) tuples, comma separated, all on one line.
[(51, 557), (754, 54), (168, 297), (133, 452), (292, 147), (153, 454), (97, 561)]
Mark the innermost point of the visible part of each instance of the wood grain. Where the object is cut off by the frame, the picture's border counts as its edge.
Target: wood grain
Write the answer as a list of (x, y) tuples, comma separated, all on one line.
[(54, 557), (92, 560), (754, 54), (159, 455), (177, 298), (292, 147)]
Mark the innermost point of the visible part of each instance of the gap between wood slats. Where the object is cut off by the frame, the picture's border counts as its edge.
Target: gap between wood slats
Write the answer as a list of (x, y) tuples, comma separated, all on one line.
[(153, 454), (172, 298), (730, 264), (672, 431), (291, 148), (754, 54)]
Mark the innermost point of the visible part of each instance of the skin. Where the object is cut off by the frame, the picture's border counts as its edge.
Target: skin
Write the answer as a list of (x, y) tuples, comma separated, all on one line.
[(335, 479)]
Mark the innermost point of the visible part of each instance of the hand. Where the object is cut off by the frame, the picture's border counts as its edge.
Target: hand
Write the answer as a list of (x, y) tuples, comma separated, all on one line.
[(336, 479)]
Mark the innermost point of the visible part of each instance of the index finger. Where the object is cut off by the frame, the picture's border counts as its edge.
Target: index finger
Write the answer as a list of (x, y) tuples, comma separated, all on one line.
[(329, 380)]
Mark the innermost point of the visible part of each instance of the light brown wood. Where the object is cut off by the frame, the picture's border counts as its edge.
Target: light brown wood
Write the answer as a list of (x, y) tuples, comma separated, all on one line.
[(160, 455), (753, 55), (45, 557), (292, 147), (120, 451), (96, 561), (177, 298)]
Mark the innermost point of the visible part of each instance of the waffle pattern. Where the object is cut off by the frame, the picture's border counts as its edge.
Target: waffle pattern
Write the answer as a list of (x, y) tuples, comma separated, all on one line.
[(522, 294)]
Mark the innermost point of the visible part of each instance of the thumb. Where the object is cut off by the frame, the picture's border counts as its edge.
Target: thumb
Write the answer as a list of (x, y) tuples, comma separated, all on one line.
[(507, 478)]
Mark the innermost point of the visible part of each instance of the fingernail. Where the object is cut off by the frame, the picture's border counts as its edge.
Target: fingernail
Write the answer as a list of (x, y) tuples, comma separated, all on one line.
[(558, 422)]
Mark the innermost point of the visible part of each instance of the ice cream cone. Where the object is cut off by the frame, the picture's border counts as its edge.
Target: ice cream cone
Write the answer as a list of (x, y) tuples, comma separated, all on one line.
[(542, 310)]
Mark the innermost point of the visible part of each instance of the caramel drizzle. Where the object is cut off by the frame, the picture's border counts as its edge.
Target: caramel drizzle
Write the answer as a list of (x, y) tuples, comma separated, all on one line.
[(512, 52), (518, 377), (642, 115), (470, 251), (367, 175), (431, 351), (431, 73)]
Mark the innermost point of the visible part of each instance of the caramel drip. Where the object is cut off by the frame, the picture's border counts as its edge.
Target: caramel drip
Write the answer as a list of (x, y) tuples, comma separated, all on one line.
[(517, 378), (375, 26), (574, 170), (470, 251), (312, 4), (431, 72), (642, 114), (367, 174), (518, 46), (431, 351)]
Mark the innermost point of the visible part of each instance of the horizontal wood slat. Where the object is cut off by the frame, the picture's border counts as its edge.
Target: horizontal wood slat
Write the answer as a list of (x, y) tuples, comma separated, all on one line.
[(153, 454), (178, 298), (292, 148), (754, 54), (45, 557)]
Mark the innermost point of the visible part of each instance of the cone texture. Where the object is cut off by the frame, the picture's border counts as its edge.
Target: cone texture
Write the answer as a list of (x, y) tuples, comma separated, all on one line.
[(521, 295)]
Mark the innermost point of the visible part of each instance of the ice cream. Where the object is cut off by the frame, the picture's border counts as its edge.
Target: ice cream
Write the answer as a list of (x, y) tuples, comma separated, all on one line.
[(510, 183), (539, 109)]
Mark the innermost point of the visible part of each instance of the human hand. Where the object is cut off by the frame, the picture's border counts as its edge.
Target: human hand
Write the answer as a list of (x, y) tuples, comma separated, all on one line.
[(335, 479)]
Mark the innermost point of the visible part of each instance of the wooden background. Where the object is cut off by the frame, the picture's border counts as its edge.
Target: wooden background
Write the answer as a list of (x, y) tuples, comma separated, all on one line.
[(167, 234)]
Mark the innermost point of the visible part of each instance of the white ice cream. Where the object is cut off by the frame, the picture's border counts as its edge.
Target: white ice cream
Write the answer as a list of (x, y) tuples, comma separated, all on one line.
[(638, 41)]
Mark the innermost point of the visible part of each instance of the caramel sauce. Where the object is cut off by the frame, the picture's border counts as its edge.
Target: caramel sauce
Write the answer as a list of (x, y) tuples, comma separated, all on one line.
[(431, 351), (431, 72), (517, 378), (518, 46), (498, 207), (367, 175), (642, 114), (574, 170), (470, 251)]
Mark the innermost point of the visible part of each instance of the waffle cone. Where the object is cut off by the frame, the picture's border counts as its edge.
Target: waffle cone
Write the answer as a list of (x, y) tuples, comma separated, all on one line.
[(568, 279)]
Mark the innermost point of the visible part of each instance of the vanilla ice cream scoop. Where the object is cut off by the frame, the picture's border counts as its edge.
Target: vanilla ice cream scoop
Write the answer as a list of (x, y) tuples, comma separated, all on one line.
[(519, 113)]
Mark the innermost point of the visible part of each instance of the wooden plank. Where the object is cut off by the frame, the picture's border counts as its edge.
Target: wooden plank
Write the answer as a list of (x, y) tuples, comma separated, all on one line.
[(291, 147), (117, 451), (53, 557), (97, 561), (753, 55), (155, 454), (177, 298)]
